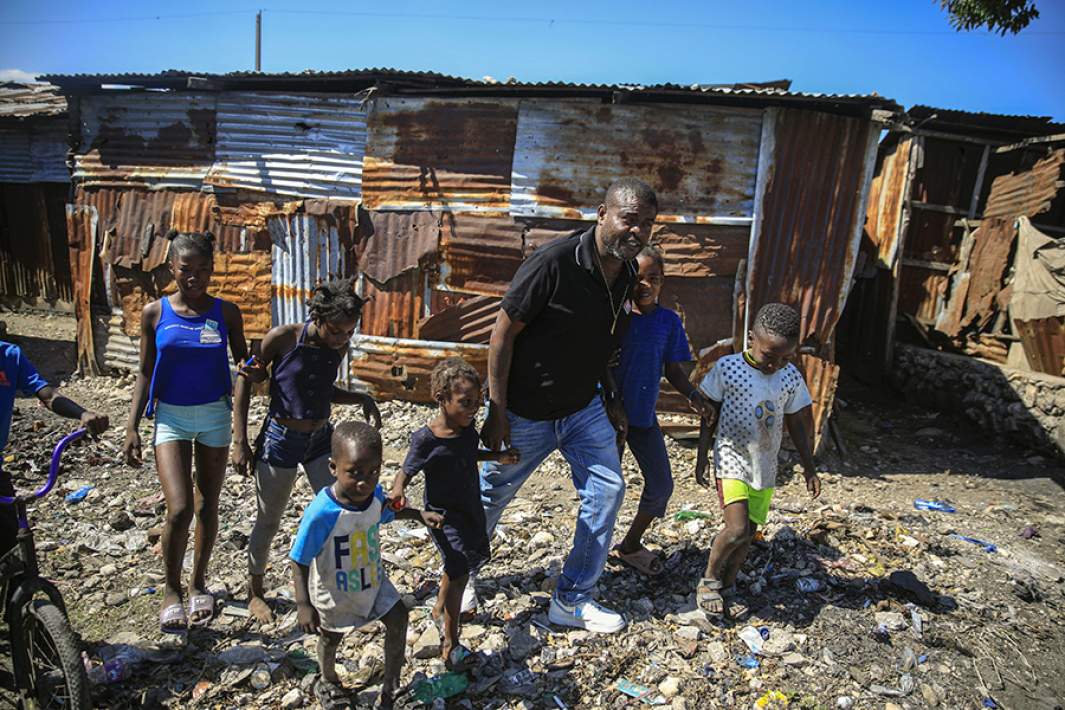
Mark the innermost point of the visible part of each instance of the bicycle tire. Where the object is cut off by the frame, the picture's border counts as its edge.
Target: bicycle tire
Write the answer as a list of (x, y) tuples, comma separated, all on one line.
[(43, 624)]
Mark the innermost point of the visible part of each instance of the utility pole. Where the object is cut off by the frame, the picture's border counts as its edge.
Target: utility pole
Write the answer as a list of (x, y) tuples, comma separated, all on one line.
[(259, 41)]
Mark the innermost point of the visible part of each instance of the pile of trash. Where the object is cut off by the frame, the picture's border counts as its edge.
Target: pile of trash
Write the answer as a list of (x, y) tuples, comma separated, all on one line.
[(904, 586)]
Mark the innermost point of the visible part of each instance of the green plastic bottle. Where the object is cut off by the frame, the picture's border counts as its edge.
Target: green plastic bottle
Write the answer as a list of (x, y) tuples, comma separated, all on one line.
[(692, 515), (444, 685)]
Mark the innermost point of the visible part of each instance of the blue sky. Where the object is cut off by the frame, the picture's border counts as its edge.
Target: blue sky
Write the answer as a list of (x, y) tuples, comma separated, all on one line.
[(905, 50)]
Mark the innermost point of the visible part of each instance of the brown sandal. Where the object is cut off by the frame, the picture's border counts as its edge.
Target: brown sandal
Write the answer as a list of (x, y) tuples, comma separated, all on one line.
[(642, 560)]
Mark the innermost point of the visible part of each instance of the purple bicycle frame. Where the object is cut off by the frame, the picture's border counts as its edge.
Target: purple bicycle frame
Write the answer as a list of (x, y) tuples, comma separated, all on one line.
[(53, 474)]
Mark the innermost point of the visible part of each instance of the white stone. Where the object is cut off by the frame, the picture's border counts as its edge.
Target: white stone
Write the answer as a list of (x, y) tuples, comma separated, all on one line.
[(292, 699), (669, 687)]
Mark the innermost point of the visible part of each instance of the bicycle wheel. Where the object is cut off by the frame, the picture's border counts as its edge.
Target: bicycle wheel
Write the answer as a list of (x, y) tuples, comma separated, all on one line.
[(57, 673)]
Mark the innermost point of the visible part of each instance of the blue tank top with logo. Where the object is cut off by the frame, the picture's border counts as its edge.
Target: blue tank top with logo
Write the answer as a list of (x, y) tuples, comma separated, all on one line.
[(191, 358)]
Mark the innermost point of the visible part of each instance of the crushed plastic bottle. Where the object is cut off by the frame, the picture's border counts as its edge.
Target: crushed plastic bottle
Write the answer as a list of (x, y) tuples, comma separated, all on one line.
[(753, 638), (988, 546), (444, 685), (747, 661), (808, 585), (78, 495), (116, 669), (938, 506), (683, 515)]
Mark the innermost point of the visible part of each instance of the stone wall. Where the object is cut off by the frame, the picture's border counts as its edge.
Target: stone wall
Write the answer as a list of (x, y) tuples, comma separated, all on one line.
[(1026, 407)]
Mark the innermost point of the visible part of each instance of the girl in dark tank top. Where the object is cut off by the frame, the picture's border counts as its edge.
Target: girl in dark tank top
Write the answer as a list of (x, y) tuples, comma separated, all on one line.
[(301, 361)]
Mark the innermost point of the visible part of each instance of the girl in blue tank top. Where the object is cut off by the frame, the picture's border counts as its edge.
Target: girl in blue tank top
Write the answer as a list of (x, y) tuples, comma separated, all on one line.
[(184, 383)]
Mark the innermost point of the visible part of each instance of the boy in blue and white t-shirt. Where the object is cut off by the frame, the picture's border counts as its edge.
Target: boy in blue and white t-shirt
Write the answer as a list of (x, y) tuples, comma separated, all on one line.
[(655, 345), (336, 561)]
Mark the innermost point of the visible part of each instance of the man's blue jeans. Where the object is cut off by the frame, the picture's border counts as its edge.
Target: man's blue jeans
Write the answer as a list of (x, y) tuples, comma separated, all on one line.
[(587, 440)]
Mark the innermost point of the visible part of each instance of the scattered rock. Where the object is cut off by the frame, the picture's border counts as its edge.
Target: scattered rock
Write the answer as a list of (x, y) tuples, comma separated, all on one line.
[(428, 643)]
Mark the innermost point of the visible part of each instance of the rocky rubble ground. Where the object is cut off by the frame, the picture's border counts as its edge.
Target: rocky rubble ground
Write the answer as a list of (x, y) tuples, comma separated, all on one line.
[(859, 600)]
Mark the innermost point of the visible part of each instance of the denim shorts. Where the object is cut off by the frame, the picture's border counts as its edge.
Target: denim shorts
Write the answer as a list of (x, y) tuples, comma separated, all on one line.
[(207, 424), (278, 445)]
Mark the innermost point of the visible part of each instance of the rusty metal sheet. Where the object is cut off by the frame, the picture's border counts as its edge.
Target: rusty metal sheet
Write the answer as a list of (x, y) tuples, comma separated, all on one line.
[(887, 193), (696, 250), (947, 173), (145, 139), (397, 368), (34, 151), (479, 255), (1043, 340), (822, 377), (704, 305), (812, 214), (469, 321), (34, 254), (397, 242), (440, 154), (245, 279), (1028, 193), (308, 250), (395, 312), (922, 292), (81, 232), (701, 160), (24, 100), (992, 244), (283, 144), (116, 349), (541, 231), (134, 223)]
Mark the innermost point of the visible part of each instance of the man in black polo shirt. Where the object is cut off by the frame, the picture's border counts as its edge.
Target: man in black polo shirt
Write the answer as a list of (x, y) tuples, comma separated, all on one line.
[(559, 323)]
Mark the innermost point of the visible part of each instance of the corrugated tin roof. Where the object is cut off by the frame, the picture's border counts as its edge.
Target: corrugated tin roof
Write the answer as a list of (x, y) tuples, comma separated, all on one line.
[(955, 121), (1027, 193), (31, 100), (399, 80)]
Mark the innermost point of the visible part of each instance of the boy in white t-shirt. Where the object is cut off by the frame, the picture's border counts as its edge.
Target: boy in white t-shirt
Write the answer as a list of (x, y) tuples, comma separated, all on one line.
[(336, 561), (757, 393)]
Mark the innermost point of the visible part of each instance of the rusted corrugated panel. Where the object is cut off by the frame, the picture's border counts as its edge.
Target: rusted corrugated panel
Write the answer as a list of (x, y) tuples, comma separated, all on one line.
[(115, 348), (34, 151), (396, 368), (992, 244), (701, 160), (886, 195), (395, 312), (244, 279), (1044, 344), (812, 213), (922, 292), (135, 223), (1028, 193), (81, 231), (440, 154), (397, 242), (469, 321), (692, 250), (145, 139), (307, 251), (27, 263), (479, 254), (305, 145), (704, 305), (822, 377), (23, 100)]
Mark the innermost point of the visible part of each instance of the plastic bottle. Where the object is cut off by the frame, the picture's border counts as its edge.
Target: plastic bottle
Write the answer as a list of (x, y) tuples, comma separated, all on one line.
[(692, 515), (938, 506), (444, 685), (808, 585)]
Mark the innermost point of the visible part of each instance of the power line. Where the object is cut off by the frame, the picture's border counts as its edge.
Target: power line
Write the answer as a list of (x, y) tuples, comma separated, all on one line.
[(549, 21)]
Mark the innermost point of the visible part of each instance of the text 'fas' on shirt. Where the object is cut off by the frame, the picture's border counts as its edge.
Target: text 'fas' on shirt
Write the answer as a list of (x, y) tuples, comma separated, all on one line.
[(751, 422), (341, 545)]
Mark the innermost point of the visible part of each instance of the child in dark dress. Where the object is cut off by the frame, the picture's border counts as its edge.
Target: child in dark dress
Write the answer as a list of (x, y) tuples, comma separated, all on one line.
[(447, 451)]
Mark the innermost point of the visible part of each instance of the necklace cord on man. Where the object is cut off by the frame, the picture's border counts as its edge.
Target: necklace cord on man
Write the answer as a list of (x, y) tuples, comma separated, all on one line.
[(609, 294)]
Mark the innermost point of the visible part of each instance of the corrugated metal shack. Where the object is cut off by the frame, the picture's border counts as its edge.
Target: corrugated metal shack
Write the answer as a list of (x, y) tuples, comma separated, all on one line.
[(435, 188), (939, 254), (34, 182)]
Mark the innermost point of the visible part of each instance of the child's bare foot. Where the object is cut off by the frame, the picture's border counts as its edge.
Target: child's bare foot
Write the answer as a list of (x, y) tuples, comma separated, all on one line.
[(260, 610), (708, 596)]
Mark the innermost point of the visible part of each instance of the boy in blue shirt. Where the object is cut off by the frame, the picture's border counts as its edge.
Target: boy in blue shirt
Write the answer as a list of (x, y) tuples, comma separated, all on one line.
[(336, 561), (655, 343), (17, 374)]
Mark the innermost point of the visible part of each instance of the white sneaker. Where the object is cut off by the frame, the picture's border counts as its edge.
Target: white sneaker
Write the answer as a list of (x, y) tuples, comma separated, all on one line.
[(469, 596), (586, 615)]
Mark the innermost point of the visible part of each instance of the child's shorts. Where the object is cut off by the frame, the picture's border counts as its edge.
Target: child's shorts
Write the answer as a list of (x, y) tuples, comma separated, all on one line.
[(731, 490), (208, 424), (339, 620)]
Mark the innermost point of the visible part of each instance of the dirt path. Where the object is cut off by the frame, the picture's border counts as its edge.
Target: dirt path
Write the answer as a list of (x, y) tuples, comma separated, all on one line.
[(991, 626)]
